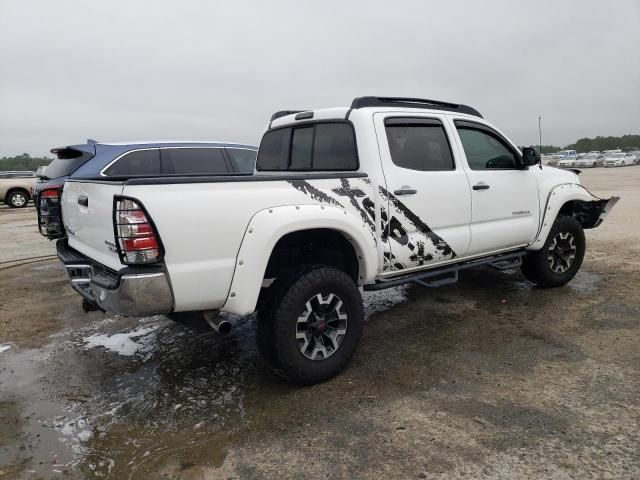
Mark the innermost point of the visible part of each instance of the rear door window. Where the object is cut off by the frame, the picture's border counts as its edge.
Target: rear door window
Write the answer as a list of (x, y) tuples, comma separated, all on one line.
[(419, 144), (243, 160), (194, 161), (139, 162)]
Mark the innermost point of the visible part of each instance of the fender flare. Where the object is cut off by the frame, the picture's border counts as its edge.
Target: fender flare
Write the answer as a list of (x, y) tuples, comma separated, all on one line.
[(268, 226), (558, 196)]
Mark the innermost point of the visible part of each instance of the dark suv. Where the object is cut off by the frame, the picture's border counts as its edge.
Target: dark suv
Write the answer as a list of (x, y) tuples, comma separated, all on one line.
[(155, 158)]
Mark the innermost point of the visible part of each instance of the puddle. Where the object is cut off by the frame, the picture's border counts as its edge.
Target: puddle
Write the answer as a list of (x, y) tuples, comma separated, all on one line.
[(126, 398), (123, 343), (118, 402)]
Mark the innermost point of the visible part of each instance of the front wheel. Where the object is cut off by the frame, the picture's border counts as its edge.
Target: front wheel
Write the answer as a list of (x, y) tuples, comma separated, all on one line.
[(558, 261), (314, 326)]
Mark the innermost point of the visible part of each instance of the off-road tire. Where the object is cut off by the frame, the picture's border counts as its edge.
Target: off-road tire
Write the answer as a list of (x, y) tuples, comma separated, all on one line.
[(12, 199), (277, 324), (265, 339), (536, 266)]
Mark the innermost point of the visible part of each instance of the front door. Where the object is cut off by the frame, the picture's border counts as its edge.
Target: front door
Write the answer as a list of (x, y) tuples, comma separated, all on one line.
[(427, 197), (504, 195)]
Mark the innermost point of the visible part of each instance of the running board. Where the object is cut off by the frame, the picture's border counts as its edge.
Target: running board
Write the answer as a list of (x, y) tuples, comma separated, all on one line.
[(450, 273)]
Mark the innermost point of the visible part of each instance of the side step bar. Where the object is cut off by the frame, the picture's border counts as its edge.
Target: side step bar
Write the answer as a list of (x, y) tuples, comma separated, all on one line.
[(449, 273)]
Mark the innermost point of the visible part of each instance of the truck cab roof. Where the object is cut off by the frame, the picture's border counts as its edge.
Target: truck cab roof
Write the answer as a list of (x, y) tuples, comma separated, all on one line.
[(381, 104)]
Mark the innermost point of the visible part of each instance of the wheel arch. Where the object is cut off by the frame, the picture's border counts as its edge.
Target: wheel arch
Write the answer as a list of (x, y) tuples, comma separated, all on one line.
[(16, 189), (272, 230), (571, 199)]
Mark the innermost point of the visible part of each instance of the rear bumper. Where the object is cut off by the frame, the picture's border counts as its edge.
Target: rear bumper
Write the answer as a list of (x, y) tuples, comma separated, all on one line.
[(133, 291)]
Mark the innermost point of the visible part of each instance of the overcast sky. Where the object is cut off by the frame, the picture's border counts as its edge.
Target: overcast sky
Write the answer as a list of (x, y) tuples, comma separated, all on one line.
[(149, 69)]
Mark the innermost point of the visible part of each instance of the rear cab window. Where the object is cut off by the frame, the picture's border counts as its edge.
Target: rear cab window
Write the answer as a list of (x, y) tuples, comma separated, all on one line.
[(309, 146)]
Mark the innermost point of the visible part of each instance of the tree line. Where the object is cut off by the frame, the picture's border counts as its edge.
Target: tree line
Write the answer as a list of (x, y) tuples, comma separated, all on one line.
[(599, 143), (23, 162)]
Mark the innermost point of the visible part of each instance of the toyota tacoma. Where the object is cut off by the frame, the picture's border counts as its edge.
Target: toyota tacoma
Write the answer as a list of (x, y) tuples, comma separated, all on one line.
[(383, 192)]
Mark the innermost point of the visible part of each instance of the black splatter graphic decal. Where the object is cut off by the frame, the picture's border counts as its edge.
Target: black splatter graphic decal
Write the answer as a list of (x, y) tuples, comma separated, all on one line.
[(419, 257), (354, 193), (394, 224), (318, 195), (441, 246), (391, 263)]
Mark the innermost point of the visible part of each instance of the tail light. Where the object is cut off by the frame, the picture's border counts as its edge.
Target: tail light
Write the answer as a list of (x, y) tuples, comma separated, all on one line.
[(136, 237), (49, 213)]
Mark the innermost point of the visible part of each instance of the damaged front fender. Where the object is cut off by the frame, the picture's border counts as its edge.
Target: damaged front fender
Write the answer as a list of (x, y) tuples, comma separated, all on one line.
[(572, 199), (592, 214)]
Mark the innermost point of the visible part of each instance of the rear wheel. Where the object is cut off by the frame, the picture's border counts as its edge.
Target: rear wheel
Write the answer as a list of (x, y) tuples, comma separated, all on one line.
[(558, 261), (313, 325), (18, 199)]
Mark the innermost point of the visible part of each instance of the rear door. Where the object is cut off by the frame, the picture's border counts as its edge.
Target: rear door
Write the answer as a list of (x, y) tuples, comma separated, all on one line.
[(504, 196), (427, 192), (87, 214)]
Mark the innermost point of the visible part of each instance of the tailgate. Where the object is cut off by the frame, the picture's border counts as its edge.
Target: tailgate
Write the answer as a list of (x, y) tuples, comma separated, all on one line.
[(87, 214)]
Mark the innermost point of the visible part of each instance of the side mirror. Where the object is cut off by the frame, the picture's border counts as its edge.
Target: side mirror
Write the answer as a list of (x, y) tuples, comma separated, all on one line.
[(530, 156)]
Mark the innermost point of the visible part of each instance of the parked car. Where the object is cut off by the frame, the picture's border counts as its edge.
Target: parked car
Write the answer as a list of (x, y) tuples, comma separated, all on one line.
[(620, 159), (51, 179), (15, 188), (567, 158), (637, 155), (383, 192), (134, 159), (590, 160), (609, 153)]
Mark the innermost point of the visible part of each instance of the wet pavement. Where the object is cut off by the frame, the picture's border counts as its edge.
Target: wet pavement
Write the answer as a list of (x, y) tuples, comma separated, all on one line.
[(488, 378), (117, 397)]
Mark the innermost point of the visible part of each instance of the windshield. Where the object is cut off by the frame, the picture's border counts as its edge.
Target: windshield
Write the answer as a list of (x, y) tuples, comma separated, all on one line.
[(590, 155), (618, 155)]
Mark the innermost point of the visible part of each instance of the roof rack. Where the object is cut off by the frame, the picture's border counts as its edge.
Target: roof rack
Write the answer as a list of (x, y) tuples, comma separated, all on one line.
[(282, 113), (407, 102)]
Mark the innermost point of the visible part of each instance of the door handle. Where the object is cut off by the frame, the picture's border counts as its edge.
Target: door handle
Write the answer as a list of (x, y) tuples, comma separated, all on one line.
[(83, 200), (405, 190), (481, 186)]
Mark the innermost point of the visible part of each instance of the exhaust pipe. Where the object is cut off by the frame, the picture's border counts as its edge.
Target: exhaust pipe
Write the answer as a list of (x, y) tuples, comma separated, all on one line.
[(218, 323), (88, 306)]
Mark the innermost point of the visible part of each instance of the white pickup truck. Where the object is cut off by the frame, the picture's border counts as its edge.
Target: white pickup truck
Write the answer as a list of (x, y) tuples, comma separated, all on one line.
[(384, 192)]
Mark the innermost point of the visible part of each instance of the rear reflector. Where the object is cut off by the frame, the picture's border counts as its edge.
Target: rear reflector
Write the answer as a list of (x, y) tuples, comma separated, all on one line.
[(135, 234)]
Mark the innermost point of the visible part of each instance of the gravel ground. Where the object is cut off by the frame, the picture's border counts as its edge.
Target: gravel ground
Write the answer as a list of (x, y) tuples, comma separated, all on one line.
[(488, 378)]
